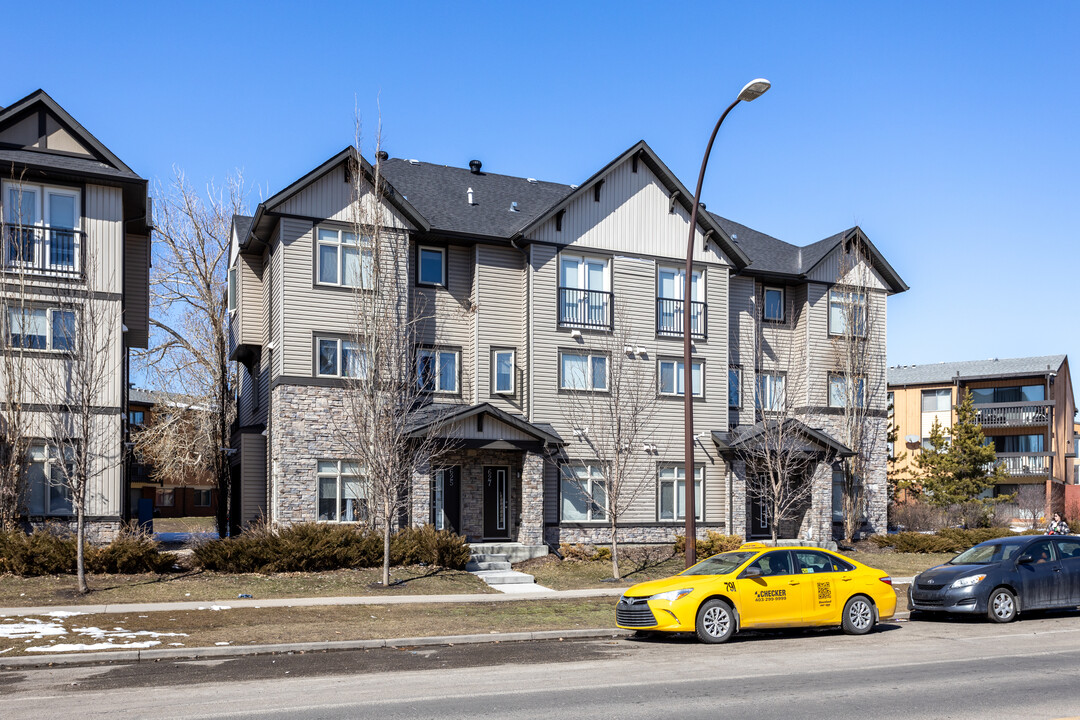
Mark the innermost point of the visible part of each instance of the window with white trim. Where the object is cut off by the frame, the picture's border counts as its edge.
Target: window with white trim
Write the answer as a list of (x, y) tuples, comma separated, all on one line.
[(502, 372), (672, 492), (771, 392), (842, 388), (437, 370), (583, 493), (342, 497), (47, 481), (583, 371), (337, 357), (344, 259), (431, 266), (773, 305), (672, 381), (845, 305), (232, 289), (37, 328), (41, 227)]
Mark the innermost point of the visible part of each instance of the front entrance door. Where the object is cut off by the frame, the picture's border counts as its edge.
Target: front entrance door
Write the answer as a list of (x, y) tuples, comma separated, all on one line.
[(496, 502), (759, 519), (446, 499)]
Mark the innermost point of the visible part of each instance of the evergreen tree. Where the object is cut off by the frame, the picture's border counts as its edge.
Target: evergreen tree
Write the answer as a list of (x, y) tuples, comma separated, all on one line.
[(958, 465)]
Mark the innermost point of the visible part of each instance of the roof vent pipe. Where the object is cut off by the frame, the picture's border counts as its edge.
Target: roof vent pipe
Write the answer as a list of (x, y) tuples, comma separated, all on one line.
[(382, 155), (513, 207), (470, 197), (474, 166)]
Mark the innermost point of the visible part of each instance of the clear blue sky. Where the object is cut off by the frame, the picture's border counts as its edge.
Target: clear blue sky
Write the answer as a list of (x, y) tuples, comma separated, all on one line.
[(948, 131)]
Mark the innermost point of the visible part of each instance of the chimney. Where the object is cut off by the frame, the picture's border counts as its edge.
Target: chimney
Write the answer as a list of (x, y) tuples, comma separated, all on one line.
[(474, 166)]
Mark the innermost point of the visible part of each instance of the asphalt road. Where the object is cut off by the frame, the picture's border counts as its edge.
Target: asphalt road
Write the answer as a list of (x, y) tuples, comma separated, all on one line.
[(966, 669)]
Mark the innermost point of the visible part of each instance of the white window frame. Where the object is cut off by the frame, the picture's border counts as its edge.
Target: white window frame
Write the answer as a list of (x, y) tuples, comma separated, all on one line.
[(42, 209), (340, 243), (590, 384), (737, 369), (677, 480), (765, 304), (437, 380), (48, 456), (420, 250), (678, 374), (339, 364), (937, 393), (594, 476), (846, 381), (50, 339), (697, 289), (495, 353), (339, 475), (779, 379), (583, 261), (232, 289), (840, 298)]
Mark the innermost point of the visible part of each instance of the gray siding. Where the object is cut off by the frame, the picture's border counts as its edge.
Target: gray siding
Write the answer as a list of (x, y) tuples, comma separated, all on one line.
[(331, 198), (499, 321), (137, 290), (253, 477), (741, 345), (448, 313)]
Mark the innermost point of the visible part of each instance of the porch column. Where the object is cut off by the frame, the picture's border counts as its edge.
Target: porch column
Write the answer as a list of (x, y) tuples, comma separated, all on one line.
[(531, 529), (420, 505), (738, 499), (817, 523)]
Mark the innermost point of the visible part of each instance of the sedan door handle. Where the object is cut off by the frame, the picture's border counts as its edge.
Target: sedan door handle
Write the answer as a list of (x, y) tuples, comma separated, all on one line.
[(793, 582), (847, 579)]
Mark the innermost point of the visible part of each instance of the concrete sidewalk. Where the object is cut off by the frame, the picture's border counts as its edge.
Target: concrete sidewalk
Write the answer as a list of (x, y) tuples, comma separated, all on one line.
[(121, 608)]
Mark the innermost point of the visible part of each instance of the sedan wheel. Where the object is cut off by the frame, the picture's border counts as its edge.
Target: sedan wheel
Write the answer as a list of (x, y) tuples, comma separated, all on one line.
[(1001, 607), (715, 622), (858, 616)]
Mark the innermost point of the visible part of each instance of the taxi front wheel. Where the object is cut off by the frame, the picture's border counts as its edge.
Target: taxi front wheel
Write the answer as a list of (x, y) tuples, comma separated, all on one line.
[(858, 616), (715, 621)]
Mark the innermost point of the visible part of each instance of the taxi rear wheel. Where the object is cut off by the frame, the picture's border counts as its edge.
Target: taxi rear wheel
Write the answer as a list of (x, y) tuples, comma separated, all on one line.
[(715, 621), (858, 616)]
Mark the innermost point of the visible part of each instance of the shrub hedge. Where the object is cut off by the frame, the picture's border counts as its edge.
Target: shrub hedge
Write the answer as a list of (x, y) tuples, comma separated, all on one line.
[(314, 547), (949, 540), (49, 551), (714, 543)]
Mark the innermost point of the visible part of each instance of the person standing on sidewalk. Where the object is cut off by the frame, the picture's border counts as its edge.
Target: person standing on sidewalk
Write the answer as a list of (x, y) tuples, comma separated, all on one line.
[(1057, 526)]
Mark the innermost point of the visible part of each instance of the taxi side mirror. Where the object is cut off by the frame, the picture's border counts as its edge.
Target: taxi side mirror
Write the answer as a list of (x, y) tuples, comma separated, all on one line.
[(752, 572)]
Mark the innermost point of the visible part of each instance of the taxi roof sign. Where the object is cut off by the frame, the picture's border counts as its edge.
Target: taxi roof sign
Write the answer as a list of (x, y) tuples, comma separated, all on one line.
[(752, 546)]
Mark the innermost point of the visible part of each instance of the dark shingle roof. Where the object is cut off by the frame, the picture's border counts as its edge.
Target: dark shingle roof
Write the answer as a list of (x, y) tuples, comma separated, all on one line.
[(440, 194), (242, 223), (436, 414), (945, 372), (63, 163)]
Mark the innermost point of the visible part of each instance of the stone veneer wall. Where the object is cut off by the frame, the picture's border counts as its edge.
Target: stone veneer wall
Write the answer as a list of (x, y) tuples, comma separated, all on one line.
[(876, 482), (98, 532), (629, 535)]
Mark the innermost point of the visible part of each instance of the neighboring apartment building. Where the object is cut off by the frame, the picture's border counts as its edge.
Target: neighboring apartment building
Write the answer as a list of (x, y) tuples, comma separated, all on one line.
[(196, 497), (526, 280), (76, 226), (1025, 406)]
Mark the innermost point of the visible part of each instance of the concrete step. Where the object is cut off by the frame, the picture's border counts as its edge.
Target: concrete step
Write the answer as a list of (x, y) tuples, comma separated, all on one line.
[(474, 566), (515, 552), (503, 577), (488, 557)]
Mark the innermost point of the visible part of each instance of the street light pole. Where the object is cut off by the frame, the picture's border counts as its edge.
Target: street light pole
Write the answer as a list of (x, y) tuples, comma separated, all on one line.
[(751, 91)]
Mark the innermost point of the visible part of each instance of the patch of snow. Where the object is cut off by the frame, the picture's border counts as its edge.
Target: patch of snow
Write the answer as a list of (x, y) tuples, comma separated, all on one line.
[(63, 613), (221, 643), (74, 647), (30, 628), (215, 607)]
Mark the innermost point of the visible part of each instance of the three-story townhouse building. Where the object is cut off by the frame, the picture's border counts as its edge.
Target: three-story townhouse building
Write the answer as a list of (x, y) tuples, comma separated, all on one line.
[(75, 250), (527, 283)]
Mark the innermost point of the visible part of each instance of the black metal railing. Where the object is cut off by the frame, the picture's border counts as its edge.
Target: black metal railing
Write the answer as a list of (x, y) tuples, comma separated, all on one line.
[(588, 309), (42, 250), (669, 317), (1016, 414)]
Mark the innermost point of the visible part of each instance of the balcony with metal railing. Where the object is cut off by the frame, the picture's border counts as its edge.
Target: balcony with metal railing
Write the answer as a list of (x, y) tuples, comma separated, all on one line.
[(669, 318), (1027, 464), (42, 250), (1014, 414), (585, 309)]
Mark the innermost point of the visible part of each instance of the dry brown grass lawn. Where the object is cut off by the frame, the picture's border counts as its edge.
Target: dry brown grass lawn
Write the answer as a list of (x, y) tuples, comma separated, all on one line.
[(901, 564), (197, 585), (255, 626)]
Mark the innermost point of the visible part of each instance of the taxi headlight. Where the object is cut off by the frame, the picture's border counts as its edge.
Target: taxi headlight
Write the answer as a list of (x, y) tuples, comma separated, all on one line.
[(671, 595), (969, 581)]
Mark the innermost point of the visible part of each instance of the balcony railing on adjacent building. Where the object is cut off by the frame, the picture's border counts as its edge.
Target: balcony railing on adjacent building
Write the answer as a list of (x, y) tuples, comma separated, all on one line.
[(585, 309), (1025, 464), (1016, 414), (669, 318), (37, 250)]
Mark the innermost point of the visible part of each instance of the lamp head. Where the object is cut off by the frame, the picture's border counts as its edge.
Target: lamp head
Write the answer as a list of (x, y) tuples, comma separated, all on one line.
[(754, 89)]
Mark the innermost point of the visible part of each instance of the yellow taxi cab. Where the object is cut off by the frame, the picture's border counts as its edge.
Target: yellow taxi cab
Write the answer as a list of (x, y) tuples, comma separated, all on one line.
[(758, 586)]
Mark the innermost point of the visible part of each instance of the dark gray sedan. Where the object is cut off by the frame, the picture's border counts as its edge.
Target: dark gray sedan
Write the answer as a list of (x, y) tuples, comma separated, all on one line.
[(1002, 578)]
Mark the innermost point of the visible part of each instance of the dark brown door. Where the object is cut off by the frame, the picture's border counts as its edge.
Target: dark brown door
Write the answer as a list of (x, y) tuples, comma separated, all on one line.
[(496, 502), (759, 519)]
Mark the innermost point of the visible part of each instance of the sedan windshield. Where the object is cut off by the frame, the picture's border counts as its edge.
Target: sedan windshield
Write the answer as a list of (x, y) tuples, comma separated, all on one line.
[(720, 564), (989, 552)]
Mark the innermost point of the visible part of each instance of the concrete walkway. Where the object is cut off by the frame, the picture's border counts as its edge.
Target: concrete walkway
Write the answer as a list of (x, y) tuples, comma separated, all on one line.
[(122, 608)]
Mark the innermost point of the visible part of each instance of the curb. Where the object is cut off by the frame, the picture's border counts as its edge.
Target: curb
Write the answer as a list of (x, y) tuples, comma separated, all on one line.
[(129, 656)]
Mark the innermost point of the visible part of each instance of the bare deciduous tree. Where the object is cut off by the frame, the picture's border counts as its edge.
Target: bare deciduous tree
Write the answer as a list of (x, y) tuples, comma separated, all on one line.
[(778, 457), (616, 426), (85, 360), (176, 440), (857, 384), (1031, 502), (189, 350), (386, 385)]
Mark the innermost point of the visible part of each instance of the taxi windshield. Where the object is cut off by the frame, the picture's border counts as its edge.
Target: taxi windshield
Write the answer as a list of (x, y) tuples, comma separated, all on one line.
[(720, 564), (989, 553)]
